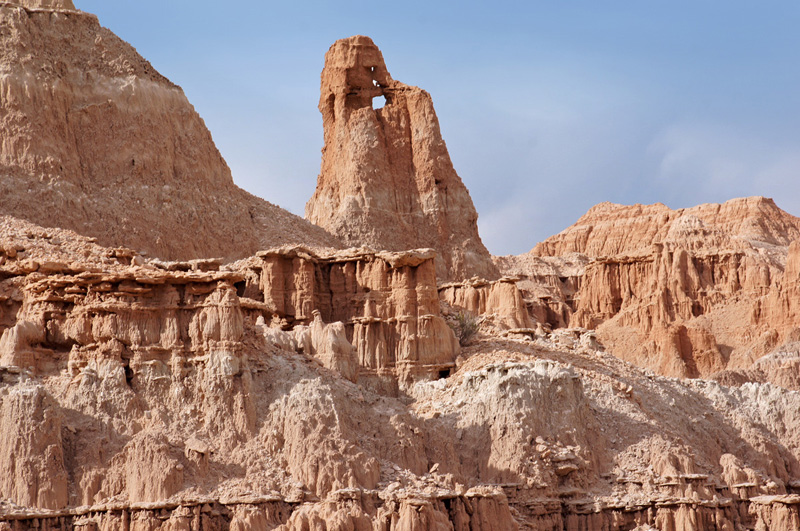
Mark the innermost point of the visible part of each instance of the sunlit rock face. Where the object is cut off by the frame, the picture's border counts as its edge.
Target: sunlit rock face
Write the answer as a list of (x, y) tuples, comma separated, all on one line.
[(95, 140), (302, 388), (387, 180), (691, 292)]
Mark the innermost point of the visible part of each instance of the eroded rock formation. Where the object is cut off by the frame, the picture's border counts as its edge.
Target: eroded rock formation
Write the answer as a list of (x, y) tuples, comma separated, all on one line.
[(499, 301), (387, 302), (387, 181), (302, 388), (159, 393), (691, 292), (95, 140), (131, 346), (609, 229), (45, 4)]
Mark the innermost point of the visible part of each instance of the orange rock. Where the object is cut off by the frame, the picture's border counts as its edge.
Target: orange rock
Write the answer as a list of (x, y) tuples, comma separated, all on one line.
[(501, 301), (143, 394), (31, 450), (387, 180), (44, 4), (95, 140), (387, 301), (688, 292), (609, 229)]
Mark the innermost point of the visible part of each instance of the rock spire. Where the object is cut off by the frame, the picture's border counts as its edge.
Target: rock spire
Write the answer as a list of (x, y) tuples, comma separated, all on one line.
[(387, 180)]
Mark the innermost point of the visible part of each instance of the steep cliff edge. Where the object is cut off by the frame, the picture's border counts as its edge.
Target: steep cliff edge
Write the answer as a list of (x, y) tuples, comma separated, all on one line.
[(304, 389), (689, 292), (387, 181), (95, 140), (149, 394)]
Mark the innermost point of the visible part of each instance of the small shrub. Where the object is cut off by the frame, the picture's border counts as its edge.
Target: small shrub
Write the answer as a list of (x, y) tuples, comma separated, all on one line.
[(465, 325)]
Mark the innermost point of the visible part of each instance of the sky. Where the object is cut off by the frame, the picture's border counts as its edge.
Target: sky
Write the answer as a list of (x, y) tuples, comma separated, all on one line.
[(547, 108)]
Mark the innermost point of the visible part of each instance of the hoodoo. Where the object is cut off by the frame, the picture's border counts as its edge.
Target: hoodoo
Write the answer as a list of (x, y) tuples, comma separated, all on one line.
[(387, 180)]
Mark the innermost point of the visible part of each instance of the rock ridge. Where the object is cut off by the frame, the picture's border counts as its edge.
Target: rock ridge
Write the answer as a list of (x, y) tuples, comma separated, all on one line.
[(166, 394), (692, 292), (96, 140), (304, 387)]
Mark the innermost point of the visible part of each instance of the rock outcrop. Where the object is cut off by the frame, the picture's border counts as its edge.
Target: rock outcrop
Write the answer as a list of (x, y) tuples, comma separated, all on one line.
[(45, 4), (95, 140), (609, 229), (302, 388), (383, 309), (387, 302), (31, 449), (499, 302), (104, 350), (156, 392), (690, 292), (387, 181)]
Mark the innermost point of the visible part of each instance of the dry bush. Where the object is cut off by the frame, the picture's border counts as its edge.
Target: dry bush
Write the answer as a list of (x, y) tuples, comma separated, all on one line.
[(465, 325)]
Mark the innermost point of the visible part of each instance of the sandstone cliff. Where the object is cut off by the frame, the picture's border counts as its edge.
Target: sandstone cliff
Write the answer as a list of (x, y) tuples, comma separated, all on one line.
[(689, 292), (387, 302), (95, 140), (314, 389), (608, 229), (154, 395), (387, 181)]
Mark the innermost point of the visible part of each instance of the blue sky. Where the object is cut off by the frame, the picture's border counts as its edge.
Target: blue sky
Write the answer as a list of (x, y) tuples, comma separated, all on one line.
[(547, 108)]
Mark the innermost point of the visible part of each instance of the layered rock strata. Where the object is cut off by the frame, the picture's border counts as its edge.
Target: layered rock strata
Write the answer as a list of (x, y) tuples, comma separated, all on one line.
[(766, 512), (608, 229), (143, 381), (383, 311), (154, 395), (387, 181), (691, 292), (387, 302), (299, 389), (499, 302), (548, 284), (95, 140)]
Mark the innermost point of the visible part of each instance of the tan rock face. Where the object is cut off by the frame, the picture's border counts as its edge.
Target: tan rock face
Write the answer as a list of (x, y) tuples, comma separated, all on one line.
[(44, 4), (548, 284), (690, 292), (160, 388), (94, 139), (500, 301), (608, 229), (306, 389), (387, 303), (387, 180), (31, 449)]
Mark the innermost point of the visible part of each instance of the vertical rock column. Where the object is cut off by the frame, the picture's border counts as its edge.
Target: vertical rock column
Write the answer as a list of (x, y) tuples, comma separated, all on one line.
[(387, 181)]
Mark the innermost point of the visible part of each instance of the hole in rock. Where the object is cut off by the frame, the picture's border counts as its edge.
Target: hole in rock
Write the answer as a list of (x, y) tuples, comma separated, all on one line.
[(378, 102), (444, 373), (240, 288), (448, 502)]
